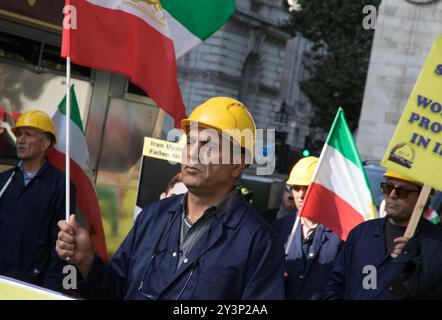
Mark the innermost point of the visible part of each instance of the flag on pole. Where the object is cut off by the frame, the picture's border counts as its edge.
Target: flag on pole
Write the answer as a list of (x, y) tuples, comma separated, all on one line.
[(142, 39), (340, 196), (432, 215), (87, 202)]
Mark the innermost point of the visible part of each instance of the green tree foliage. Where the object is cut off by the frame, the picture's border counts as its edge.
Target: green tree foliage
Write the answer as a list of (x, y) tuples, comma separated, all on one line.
[(338, 61)]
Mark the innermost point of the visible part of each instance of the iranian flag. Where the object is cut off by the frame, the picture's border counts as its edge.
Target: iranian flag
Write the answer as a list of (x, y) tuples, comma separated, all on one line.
[(87, 202), (340, 196), (142, 39)]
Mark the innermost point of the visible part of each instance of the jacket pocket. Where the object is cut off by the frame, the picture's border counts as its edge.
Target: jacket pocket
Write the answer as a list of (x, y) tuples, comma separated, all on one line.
[(218, 284)]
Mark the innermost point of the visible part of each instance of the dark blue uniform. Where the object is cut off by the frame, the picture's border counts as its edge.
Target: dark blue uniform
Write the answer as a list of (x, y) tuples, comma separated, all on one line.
[(28, 226), (364, 257), (239, 257), (307, 275)]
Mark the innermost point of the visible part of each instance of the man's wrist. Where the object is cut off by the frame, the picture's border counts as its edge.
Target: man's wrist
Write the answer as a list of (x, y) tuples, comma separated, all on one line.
[(86, 266)]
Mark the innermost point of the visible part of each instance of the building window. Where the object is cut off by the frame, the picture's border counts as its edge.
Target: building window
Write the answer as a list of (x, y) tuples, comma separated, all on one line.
[(249, 86), (131, 88), (38, 54), (255, 6)]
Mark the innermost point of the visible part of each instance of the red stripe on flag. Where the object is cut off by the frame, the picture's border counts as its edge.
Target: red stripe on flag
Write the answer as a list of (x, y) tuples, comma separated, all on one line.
[(87, 201), (329, 209), (120, 42)]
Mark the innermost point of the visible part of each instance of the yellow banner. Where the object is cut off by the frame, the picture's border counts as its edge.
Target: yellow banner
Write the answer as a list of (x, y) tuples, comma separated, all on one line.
[(161, 149), (11, 289), (416, 147)]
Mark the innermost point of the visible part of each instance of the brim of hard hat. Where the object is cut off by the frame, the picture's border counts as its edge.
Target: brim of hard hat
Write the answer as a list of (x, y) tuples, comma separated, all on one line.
[(185, 125), (295, 182), (53, 140), (396, 175)]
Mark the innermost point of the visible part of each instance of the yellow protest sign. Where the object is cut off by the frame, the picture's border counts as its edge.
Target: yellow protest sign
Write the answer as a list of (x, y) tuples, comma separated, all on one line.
[(161, 149), (11, 289), (416, 147)]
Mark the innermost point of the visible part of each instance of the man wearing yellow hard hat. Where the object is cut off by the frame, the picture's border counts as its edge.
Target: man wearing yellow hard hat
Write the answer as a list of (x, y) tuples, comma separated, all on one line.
[(313, 249), (366, 267), (206, 244), (32, 201)]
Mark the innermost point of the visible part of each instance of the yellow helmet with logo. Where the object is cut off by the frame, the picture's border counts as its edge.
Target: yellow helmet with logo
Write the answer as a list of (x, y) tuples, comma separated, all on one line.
[(37, 120), (396, 175), (302, 172), (225, 115)]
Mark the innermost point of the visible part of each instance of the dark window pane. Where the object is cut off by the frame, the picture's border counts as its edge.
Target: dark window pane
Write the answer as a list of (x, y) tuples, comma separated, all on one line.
[(19, 49), (27, 51), (136, 90), (51, 59)]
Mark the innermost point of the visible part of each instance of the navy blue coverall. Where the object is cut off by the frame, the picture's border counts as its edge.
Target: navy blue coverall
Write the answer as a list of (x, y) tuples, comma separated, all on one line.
[(307, 275), (28, 226), (364, 254), (239, 257)]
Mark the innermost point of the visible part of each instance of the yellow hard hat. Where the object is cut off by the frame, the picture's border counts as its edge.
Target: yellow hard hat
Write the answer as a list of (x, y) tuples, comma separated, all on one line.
[(225, 115), (396, 175), (302, 172), (37, 120)]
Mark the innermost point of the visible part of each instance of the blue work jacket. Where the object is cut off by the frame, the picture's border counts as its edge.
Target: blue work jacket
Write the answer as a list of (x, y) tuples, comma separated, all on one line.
[(28, 226), (364, 269), (307, 278), (239, 257)]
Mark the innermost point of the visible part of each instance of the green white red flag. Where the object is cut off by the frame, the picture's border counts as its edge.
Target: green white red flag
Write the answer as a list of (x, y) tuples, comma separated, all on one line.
[(87, 202), (340, 196)]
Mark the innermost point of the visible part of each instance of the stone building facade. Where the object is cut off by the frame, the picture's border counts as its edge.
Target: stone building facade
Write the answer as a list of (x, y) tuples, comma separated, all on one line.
[(251, 59), (404, 34)]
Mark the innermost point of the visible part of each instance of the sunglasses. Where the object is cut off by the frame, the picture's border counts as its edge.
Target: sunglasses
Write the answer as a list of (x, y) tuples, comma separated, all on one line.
[(401, 193), (296, 188)]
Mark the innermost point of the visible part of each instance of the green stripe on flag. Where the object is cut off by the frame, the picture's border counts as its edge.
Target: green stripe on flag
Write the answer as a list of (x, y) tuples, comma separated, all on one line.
[(341, 139), (75, 111), (200, 17)]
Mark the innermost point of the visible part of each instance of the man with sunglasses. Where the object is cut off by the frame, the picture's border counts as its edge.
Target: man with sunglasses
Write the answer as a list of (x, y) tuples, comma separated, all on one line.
[(366, 267), (206, 244), (314, 247)]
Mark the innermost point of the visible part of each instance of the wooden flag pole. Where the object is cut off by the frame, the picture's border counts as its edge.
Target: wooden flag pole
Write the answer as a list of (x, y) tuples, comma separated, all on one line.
[(417, 212)]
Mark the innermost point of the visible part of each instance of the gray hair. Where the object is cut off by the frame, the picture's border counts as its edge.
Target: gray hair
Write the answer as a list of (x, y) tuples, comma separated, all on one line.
[(46, 135)]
